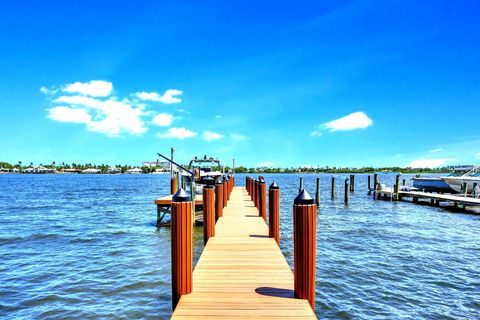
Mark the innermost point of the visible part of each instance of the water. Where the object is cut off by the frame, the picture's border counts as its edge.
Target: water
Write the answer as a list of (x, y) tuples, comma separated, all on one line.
[(86, 246)]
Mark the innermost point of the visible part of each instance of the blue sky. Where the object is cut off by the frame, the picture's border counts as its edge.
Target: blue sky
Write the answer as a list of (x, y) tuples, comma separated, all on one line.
[(337, 83)]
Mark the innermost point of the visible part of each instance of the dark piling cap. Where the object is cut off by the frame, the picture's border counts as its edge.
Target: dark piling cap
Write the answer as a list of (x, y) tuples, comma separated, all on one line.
[(261, 181), (181, 196), (274, 186), (209, 181), (303, 198)]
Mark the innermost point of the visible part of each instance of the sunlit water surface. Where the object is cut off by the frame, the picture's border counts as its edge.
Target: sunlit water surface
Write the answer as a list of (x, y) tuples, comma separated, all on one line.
[(86, 246)]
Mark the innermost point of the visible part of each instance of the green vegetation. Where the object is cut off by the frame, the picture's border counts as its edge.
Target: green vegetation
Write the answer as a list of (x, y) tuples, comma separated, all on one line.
[(241, 169)]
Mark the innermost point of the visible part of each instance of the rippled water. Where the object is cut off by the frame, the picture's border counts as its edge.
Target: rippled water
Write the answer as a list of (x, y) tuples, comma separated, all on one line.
[(86, 246)]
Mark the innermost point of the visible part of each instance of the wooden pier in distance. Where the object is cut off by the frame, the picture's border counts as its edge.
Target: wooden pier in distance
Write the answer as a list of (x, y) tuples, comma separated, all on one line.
[(242, 274), (164, 205)]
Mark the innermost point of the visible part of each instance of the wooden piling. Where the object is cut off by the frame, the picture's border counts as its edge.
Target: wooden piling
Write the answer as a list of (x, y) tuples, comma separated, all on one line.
[(208, 213), (347, 191), (173, 185), (352, 183), (304, 243), (333, 188), (369, 185), (274, 212), (397, 188), (254, 192), (317, 192), (218, 199), (181, 242), (225, 192), (375, 184), (262, 200)]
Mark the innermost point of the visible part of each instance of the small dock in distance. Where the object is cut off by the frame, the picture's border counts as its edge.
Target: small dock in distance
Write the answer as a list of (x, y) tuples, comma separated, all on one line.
[(242, 273)]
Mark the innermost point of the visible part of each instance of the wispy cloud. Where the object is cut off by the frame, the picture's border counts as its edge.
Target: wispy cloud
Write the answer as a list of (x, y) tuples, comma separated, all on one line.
[(162, 119), (436, 150), (168, 97), (218, 116), (94, 88), (210, 135), (238, 137), (177, 133), (429, 163), (356, 120), (315, 133)]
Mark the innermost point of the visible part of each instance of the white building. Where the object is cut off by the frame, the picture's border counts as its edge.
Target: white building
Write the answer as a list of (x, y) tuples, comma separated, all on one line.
[(39, 169), (134, 171), (91, 170)]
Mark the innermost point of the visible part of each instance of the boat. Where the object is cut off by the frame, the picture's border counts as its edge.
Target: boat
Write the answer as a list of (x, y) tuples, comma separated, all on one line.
[(465, 183), (204, 170), (438, 184)]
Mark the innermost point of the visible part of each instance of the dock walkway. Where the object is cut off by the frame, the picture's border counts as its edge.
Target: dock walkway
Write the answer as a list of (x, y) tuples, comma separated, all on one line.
[(242, 273)]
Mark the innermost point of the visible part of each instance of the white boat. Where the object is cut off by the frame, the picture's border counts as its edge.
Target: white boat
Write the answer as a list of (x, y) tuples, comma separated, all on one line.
[(438, 184), (471, 179)]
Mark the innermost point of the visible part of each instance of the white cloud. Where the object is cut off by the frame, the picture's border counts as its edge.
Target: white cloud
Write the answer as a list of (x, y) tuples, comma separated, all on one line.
[(110, 117), (177, 133), (168, 97), (429, 163), (93, 104), (315, 134), (67, 114), (356, 120), (218, 116), (436, 150), (210, 135), (163, 119), (47, 91), (94, 88), (238, 137), (266, 164)]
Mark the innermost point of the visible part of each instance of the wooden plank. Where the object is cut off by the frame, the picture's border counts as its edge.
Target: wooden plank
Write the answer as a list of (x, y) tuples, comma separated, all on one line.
[(242, 273), (441, 197), (168, 200)]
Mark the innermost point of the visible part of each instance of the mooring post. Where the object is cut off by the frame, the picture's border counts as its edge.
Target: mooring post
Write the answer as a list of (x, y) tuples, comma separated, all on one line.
[(397, 187), (347, 191), (257, 192), (375, 183), (304, 244), (317, 192), (254, 192), (208, 212), (262, 205), (369, 185), (333, 188), (181, 241), (225, 191), (300, 184), (246, 184), (173, 185), (274, 212), (352, 183), (218, 199)]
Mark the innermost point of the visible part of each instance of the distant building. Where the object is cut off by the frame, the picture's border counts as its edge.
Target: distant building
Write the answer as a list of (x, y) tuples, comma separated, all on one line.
[(39, 169), (134, 171), (165, 165), (91, 170), (114, 170)]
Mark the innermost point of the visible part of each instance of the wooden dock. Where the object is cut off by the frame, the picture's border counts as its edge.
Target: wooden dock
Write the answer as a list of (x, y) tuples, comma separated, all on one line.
[(242, 273), (434, 198)]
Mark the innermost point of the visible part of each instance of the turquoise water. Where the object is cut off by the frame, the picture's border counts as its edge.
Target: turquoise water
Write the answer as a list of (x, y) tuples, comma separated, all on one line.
[(86, 246)]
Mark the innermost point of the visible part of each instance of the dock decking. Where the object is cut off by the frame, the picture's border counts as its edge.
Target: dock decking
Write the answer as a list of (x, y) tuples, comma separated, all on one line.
[(242, 273)]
